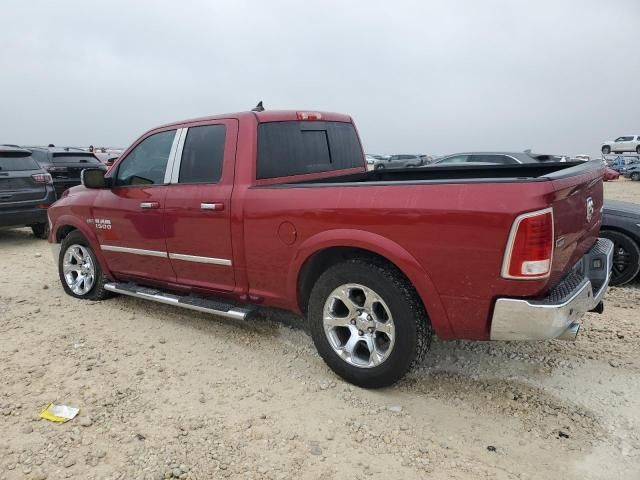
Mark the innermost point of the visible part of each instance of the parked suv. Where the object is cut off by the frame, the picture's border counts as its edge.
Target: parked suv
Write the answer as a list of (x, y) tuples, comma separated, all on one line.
[(26, 191), (65, 164), (629, 143)]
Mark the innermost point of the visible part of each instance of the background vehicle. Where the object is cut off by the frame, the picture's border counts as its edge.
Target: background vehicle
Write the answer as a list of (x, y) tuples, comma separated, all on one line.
[(621, 225), (495, 158), (629, 143), (26, 191), (632, 171), (399, 161), (276, 208), (64, 164), (610, 174), (620, 163), (371, 161)]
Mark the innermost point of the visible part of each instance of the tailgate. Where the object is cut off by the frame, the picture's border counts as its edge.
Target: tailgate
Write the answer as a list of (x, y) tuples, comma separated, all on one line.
[(577, 199), (20, 187)]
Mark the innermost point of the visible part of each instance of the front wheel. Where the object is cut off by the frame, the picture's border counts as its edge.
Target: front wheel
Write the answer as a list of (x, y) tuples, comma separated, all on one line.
[(626, 257), (638, 149), (606, 150), (379, 167), (635, 176), (79, 269), (367, 322)]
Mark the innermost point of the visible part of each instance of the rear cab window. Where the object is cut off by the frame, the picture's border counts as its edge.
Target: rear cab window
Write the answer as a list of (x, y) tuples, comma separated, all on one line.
[(291, 148), (202, 154)]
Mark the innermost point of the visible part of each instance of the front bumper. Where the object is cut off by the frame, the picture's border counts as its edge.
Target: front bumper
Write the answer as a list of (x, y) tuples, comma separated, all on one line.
[(555, 315)]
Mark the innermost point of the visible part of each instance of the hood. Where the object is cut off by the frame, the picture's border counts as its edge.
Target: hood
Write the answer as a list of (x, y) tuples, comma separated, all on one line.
[(623, 209)]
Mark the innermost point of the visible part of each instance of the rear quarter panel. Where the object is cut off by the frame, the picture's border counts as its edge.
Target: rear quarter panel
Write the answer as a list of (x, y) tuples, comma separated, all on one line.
[(454, 233)]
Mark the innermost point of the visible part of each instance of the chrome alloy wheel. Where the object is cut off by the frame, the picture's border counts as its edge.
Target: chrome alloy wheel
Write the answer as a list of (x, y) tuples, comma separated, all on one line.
[(359, 325), (78, 269)]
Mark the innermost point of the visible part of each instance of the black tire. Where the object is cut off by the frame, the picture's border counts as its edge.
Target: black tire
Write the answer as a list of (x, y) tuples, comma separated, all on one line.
[(97, 291), (626, 257), (412, 328), (40, 230), (635, 176), (638, 149), (606, 150), (379, 167)]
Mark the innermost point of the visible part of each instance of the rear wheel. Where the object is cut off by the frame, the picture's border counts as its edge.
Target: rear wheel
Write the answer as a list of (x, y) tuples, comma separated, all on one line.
[(79, 269), (40, 230), (606, 150), (626, 257), (638, 149), (367, 322), (635, 176)]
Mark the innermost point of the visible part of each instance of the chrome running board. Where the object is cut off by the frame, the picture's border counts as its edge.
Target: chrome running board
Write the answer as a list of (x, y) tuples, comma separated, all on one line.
[(191, 302)]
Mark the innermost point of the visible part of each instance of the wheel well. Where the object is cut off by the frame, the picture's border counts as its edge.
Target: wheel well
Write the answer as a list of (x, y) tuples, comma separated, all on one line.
[(629, 234), (63, 231), (320, 261)]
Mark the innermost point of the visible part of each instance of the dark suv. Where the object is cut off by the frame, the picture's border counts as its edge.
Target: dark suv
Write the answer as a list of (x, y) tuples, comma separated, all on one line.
[(26, 191), (65, 164)]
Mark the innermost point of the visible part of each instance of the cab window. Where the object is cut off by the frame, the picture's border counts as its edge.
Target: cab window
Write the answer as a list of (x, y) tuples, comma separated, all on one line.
[(147, 162), (202, 155)]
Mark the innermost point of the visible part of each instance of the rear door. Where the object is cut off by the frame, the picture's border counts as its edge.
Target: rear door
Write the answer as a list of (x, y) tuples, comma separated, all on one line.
[(128, 217), (197, 212)]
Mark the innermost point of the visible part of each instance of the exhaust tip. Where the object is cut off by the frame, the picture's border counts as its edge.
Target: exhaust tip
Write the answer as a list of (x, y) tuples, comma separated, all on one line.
[(570, 333)]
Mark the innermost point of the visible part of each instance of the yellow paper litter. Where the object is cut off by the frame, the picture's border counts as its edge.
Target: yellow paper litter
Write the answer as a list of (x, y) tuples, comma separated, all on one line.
[(58, 413)]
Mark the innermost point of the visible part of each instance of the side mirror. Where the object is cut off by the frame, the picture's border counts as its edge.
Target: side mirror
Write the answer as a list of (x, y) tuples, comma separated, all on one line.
[(94, 178)]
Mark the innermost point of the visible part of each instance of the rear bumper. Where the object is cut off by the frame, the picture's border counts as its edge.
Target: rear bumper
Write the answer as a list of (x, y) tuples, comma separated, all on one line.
[(555, 316)]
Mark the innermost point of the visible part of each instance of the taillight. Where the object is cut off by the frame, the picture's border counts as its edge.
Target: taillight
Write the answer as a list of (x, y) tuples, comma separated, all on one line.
[(529, 250), (309, 115), (42, 178)]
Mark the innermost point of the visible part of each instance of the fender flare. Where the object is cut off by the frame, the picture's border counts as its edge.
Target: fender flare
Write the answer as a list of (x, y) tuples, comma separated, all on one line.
[(88, 233), (386, 248)]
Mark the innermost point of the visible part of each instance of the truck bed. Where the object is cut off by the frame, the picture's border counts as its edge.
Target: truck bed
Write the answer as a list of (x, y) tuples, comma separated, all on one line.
[(458, 174)]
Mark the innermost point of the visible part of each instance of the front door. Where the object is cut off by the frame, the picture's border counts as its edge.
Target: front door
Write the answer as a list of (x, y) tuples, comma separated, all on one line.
[(128, 217), (198, 206)]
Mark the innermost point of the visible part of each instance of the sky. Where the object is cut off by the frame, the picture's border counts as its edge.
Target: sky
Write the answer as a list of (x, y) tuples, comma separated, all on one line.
[(432, 77)]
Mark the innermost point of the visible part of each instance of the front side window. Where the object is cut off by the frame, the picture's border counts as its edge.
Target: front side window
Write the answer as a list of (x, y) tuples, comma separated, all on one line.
[(624, 139), (147, 162), (202, 155), (299, 147)]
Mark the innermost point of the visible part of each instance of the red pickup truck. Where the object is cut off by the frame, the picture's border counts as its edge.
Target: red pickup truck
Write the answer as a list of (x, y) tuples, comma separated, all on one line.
[(228, 213)]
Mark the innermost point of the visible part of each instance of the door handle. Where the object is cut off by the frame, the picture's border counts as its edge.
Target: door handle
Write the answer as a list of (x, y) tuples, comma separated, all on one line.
[(149, 205), (217, 206)]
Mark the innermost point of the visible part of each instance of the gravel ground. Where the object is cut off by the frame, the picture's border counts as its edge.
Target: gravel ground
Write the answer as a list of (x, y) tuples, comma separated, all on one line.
[(168, 393)]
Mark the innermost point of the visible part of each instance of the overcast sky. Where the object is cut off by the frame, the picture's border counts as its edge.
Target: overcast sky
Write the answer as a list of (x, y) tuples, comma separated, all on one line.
[(418, 77)]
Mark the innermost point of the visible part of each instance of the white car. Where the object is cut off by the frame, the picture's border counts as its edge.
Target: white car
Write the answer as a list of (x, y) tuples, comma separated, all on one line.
[(629, 143)]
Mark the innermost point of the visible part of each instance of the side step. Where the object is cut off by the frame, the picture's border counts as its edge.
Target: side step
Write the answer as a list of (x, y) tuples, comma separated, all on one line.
[(191, 302)]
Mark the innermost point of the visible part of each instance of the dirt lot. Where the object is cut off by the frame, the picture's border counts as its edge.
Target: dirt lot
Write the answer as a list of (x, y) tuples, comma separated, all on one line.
[(166, 393)]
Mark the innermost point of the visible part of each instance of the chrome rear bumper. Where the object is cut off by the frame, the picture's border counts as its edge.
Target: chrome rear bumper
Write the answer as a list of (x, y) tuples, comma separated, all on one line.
[(556, 315)]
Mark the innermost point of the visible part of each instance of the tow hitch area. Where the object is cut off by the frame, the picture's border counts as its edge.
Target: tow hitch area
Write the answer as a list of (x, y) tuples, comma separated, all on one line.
[(599, 308)]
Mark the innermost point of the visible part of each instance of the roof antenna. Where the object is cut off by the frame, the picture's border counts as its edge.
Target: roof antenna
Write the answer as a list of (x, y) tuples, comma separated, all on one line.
[(258, 107)]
